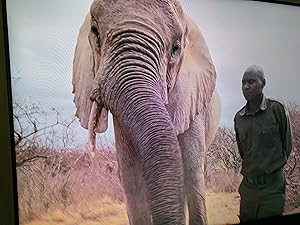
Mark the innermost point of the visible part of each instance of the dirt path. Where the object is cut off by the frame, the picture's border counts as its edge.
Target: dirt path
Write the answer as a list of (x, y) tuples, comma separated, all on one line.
[(222, 208)]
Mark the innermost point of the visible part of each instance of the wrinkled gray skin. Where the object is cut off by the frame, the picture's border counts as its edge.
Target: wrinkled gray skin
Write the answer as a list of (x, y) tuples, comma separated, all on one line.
[(147, 63)]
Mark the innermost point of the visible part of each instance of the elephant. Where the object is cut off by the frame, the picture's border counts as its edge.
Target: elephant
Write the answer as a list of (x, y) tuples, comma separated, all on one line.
[(148, 64)]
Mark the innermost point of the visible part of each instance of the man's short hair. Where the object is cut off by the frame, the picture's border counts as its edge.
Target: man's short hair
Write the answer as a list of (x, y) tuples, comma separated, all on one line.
[(257, 70)]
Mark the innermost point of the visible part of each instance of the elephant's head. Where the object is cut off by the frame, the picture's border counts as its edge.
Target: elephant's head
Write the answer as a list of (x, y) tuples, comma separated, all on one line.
[(148, 64)]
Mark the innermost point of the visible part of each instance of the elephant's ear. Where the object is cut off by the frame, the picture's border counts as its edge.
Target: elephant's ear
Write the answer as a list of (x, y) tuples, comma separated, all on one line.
[(83, 74), (195, 82)]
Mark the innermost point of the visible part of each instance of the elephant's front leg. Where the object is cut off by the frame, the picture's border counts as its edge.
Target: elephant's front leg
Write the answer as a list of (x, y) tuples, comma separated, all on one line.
[(132, 181), (192, 143)]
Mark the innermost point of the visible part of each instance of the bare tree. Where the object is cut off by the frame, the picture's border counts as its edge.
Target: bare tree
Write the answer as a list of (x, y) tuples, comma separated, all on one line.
[(223, 152), (292, 168), (33, 133), (223, 162)]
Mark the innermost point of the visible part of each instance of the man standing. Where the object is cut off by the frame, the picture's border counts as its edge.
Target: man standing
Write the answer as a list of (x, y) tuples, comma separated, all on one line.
[(264, 141)]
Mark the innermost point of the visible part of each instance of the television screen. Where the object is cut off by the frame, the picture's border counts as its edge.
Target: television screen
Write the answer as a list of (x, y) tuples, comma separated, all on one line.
[(122, 110)]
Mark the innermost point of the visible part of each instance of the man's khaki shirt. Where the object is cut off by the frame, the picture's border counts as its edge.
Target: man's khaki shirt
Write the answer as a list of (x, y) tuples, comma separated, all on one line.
[(264, 138)]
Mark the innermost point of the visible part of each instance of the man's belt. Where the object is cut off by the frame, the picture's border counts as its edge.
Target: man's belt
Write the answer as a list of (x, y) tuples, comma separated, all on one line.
[(265, 179), (257, 180)]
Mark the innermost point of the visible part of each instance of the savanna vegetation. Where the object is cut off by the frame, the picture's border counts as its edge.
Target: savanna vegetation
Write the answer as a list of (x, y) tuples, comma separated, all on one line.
[(58, 182)]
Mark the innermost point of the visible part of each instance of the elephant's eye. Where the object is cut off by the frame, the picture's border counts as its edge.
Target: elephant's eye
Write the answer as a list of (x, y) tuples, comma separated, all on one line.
[(95, 30), (176, 48)]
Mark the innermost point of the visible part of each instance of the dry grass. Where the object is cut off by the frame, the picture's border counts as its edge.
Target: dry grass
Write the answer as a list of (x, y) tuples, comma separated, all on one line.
[(68, 189), (104, 212), (222, 208)]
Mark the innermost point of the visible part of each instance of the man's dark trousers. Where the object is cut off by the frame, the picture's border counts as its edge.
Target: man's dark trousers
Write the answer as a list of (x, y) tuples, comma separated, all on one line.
[(263, 196)]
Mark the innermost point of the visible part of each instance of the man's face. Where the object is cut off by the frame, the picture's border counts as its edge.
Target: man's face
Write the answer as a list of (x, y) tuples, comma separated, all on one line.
[(252, 86)]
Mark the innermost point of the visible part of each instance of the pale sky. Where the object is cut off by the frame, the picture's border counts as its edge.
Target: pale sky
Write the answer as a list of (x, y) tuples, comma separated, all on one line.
[(42, 38)]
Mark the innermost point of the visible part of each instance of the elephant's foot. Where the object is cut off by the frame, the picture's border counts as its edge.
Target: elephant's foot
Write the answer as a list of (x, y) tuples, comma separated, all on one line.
[(195, 193), (197, 212), (139, 218)]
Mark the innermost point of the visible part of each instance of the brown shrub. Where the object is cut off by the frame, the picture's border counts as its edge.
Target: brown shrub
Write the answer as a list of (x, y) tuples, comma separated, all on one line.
[(60, 179), (223, 181)]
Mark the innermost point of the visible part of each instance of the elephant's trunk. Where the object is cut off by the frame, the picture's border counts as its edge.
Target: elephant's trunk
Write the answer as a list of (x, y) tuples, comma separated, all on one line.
[(152, 135)]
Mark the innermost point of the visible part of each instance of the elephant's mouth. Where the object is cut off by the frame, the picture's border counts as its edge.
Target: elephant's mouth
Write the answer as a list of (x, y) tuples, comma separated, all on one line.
[(98, 122)]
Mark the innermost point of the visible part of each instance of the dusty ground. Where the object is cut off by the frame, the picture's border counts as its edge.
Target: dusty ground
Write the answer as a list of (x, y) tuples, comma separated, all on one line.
[(222, 208)]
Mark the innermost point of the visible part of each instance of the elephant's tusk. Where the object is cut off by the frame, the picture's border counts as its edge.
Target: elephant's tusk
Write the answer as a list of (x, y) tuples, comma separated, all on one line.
[(102, 121), (93, 119)]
